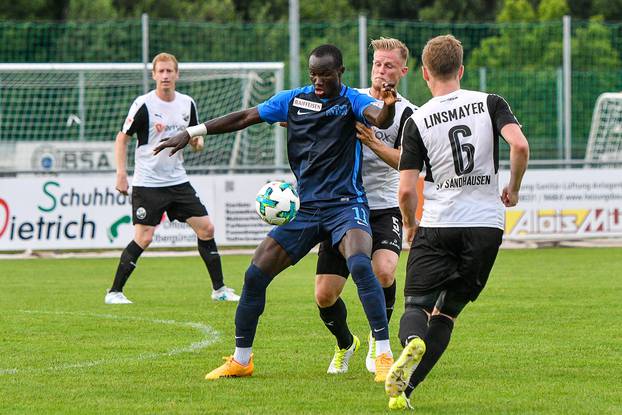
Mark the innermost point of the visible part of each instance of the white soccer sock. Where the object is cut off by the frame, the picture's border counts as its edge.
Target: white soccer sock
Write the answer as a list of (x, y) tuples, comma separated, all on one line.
[(383, 346), (242, 355)]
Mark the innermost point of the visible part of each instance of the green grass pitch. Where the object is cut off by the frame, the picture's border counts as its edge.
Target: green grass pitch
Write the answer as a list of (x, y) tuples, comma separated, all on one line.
[(545, 337)]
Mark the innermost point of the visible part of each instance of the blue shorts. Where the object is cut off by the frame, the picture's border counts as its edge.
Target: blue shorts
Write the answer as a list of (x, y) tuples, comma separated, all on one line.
[(313, 225)]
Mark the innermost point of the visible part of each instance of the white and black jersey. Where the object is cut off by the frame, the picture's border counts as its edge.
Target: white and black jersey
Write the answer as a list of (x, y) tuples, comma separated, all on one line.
[(153, 119), (379, 179), (456, 137)]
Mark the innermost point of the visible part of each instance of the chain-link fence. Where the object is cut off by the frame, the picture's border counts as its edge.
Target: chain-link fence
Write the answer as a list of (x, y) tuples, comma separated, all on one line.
[(522, 62)]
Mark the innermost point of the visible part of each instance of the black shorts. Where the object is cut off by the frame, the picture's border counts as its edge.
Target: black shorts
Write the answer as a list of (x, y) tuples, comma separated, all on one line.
[(180, 202), (386, 230), (456, 259)]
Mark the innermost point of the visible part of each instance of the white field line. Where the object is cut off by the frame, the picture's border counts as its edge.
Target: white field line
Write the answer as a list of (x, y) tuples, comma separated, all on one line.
[(210, 336)]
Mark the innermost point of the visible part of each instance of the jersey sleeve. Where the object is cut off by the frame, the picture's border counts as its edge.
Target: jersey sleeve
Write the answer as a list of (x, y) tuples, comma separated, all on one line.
[(275, 109), (408, 111), (194, 116), (137, 118), (413, 151), (500, 112)]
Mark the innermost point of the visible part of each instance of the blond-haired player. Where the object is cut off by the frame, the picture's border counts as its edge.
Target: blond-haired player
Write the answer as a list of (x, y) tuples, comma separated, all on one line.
[(160, 184)]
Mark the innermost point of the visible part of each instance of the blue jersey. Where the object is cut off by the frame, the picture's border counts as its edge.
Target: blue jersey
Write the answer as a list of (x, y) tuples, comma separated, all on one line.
[(323, 151)]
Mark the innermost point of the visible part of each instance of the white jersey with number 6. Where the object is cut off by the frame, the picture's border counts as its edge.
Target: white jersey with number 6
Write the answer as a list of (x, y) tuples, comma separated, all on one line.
[(456, 137)]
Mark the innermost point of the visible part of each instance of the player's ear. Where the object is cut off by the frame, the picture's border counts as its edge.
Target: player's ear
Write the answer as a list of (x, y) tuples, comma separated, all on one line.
[(342, 69), (426, 75), (460, 72)]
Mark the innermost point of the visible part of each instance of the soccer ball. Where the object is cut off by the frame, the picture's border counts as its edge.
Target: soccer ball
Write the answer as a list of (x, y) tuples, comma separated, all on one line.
[(277, 203)]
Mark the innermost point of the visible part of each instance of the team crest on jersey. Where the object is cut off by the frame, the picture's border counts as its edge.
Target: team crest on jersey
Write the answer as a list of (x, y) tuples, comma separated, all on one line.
[(159, 127), (141, 213), (186, 117)]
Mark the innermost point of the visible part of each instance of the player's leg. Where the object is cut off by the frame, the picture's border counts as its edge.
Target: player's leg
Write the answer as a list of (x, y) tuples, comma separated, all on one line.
[(270, 258), (204, 228), (143, 234), (449, 304), (331, 276), (386, 225), (186, 207), (478, 248), (148, 205), (429, 264), (355, 246)]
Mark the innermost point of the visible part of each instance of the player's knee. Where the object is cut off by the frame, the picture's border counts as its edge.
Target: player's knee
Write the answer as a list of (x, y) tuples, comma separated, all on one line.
[(206, 231), (385, 277), (144, 240), (325, 298), (360, 267), (255, 280)]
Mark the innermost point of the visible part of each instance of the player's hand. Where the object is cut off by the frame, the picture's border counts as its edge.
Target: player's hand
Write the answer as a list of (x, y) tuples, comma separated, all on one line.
[(197, 143), (411, 231), (122, 185), (177, 142), (508, 197), (365, 134), (389, 94)]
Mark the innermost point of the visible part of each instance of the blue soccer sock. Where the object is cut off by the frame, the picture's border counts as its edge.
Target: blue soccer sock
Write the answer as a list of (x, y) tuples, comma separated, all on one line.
[(370, 294), (251, 305)]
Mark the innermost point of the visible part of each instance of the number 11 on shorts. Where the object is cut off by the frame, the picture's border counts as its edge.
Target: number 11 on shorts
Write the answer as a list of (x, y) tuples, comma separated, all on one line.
[(360, 216)]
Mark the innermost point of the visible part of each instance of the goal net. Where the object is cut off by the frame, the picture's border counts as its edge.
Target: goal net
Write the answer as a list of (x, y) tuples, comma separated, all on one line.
[(46, 110), (605, 141)]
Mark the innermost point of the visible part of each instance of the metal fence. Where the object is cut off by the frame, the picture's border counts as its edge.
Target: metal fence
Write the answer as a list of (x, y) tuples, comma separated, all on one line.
[(551, 72)]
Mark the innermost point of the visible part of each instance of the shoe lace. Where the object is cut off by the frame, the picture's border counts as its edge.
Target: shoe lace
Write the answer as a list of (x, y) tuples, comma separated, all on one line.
[(338, 357)]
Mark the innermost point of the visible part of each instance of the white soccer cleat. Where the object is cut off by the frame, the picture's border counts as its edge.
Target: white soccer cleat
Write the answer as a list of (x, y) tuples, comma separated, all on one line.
[(370, 360), (116, 297), (225, 293), (341, 358)]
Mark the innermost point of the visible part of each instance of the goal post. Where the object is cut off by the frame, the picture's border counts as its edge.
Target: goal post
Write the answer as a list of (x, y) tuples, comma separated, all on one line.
[(605, 140), (47, 108)]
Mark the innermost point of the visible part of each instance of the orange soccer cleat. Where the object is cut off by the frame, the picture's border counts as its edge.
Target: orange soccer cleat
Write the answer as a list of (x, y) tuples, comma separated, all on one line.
[(231, 369)]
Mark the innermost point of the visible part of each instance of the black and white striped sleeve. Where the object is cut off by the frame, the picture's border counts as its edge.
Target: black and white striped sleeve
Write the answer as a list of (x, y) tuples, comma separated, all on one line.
[(413, 151), (408, 111), (500, 112), (194, 117)]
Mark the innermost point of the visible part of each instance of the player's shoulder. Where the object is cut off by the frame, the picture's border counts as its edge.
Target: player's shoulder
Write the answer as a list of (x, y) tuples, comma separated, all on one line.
[(140, 100), (183, 97), (403, 104)]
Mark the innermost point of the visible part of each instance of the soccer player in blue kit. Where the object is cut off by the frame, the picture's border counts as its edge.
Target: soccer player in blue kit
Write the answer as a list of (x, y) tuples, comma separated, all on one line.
[(325, 156)]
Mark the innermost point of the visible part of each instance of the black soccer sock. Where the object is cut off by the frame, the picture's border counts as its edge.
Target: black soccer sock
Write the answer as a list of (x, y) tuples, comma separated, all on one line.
[(436, 341), (335, 320), (211, 257), (127, 263), (389, 298), (414, 323)]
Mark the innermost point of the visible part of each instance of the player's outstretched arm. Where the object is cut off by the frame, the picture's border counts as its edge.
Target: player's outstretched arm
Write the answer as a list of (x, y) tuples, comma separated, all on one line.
[(389, 155), (233, 121), (120, 157), (383, 117), (407, 196), (519, 157)]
